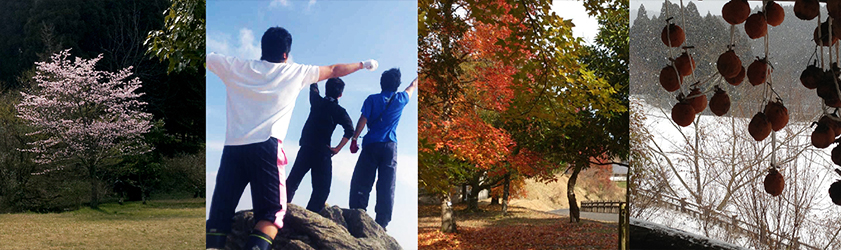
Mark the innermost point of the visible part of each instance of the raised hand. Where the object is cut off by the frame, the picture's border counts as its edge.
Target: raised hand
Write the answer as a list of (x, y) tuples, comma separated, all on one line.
[(370, 64)]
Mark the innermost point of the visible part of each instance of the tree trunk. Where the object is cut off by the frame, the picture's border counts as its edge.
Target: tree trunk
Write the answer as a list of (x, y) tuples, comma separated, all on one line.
[(495, 200), (506, 185), (473, 199), (94, 194), (574, 213), (94, 187), (448, 219), (463, 197)]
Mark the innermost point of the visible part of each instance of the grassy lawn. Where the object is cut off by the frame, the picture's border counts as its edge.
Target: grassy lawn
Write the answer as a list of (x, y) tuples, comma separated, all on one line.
[(522, 229), (161, 224), (622, 184)]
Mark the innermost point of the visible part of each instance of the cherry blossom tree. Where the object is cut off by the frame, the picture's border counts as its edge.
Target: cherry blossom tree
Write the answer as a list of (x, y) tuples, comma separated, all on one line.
[(83, 117)]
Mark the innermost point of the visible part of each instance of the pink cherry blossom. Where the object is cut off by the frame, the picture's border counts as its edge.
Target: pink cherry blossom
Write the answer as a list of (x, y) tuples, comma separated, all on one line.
[(83, 115)]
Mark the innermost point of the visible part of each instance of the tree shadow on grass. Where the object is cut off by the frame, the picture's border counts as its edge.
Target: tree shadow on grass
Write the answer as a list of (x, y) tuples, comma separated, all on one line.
[(136, 211), (182, 203)]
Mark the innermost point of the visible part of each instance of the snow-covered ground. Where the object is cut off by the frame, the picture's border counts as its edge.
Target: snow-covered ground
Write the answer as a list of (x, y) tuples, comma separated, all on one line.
[(723, 162)]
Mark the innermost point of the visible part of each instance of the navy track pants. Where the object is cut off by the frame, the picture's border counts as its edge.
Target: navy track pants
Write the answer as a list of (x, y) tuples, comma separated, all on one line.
[(375, 157), (319, 161)]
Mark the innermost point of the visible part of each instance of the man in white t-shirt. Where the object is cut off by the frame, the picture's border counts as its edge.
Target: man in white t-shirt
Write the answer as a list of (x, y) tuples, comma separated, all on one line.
[(260, 99)]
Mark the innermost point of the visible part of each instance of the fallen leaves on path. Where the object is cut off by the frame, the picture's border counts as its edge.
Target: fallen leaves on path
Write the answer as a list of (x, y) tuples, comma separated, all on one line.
[(524, 229), (559, 236)]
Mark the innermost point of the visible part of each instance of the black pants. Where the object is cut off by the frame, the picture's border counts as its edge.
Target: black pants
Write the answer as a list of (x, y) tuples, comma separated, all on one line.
[(318, 160), (261, 164)]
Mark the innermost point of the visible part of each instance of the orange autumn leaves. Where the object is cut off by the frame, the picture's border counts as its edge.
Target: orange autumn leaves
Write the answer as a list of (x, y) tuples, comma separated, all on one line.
[(469, 130), (553, 236)]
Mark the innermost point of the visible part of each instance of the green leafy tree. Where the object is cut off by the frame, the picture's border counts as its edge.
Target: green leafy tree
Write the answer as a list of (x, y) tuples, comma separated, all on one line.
[(182, 40)]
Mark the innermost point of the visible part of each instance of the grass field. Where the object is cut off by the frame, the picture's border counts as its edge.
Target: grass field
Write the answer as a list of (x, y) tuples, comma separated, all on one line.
[(161, 224), (622, 184)]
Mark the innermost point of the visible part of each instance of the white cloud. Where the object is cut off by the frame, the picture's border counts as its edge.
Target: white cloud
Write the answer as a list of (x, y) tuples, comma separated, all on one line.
[(247, 46), (407, 170), (343, 164), (218, 42), (310, 3), (247, 49), (277, 3)]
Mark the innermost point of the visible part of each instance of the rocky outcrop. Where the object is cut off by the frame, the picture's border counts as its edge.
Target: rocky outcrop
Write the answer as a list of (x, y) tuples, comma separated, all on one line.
[(332, 228)]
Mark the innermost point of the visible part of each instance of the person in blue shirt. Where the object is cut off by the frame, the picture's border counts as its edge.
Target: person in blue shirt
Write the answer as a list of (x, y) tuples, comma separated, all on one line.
[(315, 152), (381, 113)]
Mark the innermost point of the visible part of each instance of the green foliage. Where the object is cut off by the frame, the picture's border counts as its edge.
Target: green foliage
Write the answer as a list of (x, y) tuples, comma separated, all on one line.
[(25, 186), (595, 126), (15, 167), (438, 171), (608, 58), (182, 40), (186, 172)]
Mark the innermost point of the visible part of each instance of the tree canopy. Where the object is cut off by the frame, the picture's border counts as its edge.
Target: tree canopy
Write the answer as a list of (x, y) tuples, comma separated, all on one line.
[(509, 89), (182, 40)]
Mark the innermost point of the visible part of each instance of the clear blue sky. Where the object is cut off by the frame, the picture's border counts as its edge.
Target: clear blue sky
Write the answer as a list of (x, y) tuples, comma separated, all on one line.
[(324, 33)]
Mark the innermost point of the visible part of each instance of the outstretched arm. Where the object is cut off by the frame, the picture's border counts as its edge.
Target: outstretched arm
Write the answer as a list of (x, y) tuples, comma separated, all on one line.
[(411, 88), (340, 70)]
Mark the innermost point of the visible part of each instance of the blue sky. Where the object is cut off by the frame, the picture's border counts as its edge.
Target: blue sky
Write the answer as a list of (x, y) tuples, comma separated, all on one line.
[(324, 33)]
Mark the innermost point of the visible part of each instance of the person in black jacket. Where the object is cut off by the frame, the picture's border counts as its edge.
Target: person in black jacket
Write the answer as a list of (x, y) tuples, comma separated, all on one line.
[(315, 152)]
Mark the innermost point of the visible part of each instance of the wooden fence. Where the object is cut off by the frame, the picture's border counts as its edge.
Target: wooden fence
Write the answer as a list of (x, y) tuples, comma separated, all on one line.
[(611, 207)]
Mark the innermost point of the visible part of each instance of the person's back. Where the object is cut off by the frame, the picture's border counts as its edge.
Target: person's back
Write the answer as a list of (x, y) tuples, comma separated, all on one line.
[(325, 114), (315, 153), (260, 99), (384, 110), (378, 159), (260, 96)]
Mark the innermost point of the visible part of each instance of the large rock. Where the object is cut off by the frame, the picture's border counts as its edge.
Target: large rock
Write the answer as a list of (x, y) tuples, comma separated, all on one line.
[(333, 228)]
